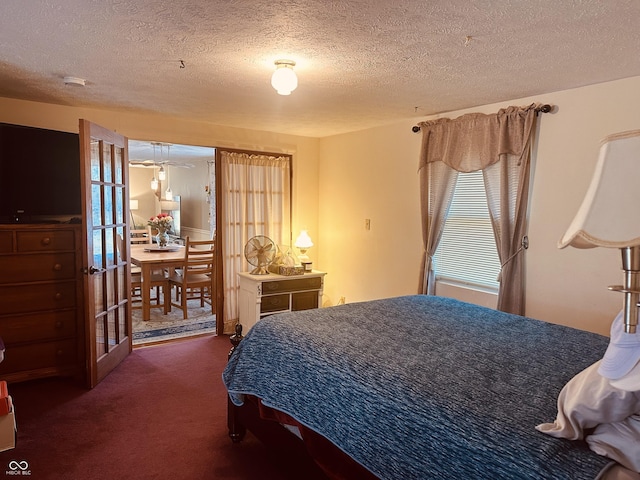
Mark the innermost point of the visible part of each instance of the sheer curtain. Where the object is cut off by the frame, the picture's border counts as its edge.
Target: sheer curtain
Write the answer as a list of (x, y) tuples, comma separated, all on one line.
[(211, 197), (499, 145), (256, 200)]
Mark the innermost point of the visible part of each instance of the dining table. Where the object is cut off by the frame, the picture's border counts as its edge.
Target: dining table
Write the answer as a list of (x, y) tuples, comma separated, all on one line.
[(150, 257)]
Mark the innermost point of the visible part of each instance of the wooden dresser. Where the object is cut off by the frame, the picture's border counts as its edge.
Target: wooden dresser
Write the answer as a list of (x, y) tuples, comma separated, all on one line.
[(41, 301)]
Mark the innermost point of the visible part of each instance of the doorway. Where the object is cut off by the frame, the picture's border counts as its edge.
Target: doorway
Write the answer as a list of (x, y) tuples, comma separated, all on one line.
[(178, 180)]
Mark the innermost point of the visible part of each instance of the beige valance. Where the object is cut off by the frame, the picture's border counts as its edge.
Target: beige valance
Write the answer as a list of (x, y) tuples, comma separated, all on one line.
[(476, 140)]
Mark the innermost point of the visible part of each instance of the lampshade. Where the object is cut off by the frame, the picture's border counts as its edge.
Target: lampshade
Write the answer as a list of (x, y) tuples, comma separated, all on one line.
[(303, 242), (610, 212), (161, 173), (284, 79)]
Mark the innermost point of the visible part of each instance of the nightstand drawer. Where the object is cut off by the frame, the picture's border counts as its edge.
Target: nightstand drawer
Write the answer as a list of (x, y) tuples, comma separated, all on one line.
[(274, 303), (304, 300), (293, 285)]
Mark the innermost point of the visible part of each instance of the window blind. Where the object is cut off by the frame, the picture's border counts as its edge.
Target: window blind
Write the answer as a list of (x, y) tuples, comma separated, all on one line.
[(467, 252)]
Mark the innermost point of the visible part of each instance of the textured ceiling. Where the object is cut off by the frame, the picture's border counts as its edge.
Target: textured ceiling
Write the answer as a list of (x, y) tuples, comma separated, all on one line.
[(359, 63)]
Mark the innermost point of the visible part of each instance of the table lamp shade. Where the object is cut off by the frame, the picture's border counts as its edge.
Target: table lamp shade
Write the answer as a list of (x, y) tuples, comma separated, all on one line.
[(610, 212)]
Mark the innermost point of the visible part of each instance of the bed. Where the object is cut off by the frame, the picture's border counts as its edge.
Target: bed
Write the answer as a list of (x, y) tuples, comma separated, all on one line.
[(414, 387)]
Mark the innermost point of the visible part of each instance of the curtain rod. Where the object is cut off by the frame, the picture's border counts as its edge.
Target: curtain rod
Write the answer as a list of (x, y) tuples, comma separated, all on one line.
[(546, 108)]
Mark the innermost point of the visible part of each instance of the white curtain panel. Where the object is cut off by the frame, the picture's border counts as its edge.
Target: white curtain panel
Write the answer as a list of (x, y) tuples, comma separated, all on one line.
[(256, 200)]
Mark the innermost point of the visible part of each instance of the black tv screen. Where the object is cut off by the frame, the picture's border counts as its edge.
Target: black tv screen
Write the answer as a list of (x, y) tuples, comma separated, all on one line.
[(39, 174)]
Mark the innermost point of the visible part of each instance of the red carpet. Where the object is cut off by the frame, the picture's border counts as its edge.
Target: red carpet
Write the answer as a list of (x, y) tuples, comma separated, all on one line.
[(160, 415)]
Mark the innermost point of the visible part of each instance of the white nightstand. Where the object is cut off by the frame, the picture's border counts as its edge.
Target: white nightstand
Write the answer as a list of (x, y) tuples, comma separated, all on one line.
[(262, 295)]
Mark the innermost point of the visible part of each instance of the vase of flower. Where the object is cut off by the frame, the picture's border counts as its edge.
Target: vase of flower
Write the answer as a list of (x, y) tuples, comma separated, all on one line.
[(162, 238), (162, 222)]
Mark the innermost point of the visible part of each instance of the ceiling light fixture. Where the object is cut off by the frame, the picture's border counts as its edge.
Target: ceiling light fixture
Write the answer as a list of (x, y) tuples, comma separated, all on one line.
[(284, 79), (80, 82)]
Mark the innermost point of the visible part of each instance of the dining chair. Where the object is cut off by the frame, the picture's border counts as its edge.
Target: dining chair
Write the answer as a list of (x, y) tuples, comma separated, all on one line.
[(158, 280), (141, 235), (195, 280)]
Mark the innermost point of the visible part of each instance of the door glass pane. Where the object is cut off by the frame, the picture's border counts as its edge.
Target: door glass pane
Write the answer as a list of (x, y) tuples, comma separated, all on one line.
[(112, 337), (118, 166), (100, 340), (106, 163), (122, 320), (98, 293), (108, 205), (110, 252), (118, 198), (122, 282), (95, 161), (119, 244), (110, 278), (96, 205), (97, 260)]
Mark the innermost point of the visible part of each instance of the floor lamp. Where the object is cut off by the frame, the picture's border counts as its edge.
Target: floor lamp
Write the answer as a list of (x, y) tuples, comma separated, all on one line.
[(610, 217), (133, 205)]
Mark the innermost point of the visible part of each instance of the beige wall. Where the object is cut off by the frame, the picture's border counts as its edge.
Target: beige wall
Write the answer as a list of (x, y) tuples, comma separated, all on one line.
[(188, 183), (373, 174)]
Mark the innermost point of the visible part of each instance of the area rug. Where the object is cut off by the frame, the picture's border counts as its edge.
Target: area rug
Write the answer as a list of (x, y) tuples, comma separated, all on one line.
[(161, 328)]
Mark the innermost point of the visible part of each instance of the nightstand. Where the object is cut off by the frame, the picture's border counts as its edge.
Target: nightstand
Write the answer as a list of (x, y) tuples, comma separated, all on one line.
[(262, 295)]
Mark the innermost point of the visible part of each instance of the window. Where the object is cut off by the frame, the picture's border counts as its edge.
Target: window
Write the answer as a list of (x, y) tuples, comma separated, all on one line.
[(467, 251)]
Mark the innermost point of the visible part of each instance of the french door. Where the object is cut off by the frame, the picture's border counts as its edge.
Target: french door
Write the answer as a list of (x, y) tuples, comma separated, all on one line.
[(104, 168)]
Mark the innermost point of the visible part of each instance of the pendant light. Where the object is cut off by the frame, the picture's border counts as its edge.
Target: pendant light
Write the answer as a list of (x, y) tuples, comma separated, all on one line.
[(168, 194), (154, 180)]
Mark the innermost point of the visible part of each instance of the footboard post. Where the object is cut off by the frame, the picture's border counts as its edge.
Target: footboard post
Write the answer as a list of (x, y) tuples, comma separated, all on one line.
[(236, 429)]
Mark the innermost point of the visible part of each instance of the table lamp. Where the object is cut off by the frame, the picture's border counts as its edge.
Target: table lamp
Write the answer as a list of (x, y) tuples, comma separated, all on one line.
[(610, 215), (304, 243)]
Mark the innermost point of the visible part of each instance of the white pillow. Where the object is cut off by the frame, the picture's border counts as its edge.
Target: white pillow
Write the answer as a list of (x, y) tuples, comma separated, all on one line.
[(588, 400), (589, 406)]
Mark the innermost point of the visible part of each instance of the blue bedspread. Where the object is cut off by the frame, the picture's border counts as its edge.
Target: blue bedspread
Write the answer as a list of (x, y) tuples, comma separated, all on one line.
[(423, 387)]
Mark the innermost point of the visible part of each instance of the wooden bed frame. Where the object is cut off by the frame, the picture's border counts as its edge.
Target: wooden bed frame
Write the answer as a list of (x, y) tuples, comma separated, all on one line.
[(288, 450)]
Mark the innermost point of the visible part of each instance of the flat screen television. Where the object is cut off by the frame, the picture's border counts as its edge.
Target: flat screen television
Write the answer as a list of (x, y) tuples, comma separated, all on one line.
[(39, 175)]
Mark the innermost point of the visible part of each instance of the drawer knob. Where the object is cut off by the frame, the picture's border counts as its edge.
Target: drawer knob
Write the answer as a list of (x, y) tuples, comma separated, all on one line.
[(59, 324), (57, 267), (58, 296), (59, 352), (46, 241)]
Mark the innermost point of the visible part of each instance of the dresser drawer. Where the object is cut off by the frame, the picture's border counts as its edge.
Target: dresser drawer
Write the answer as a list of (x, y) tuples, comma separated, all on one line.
[(274, 303), (39, 355), (38, 267), (45, 240), (292, 285), (37, 297), (6, 242), (36, 327)]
